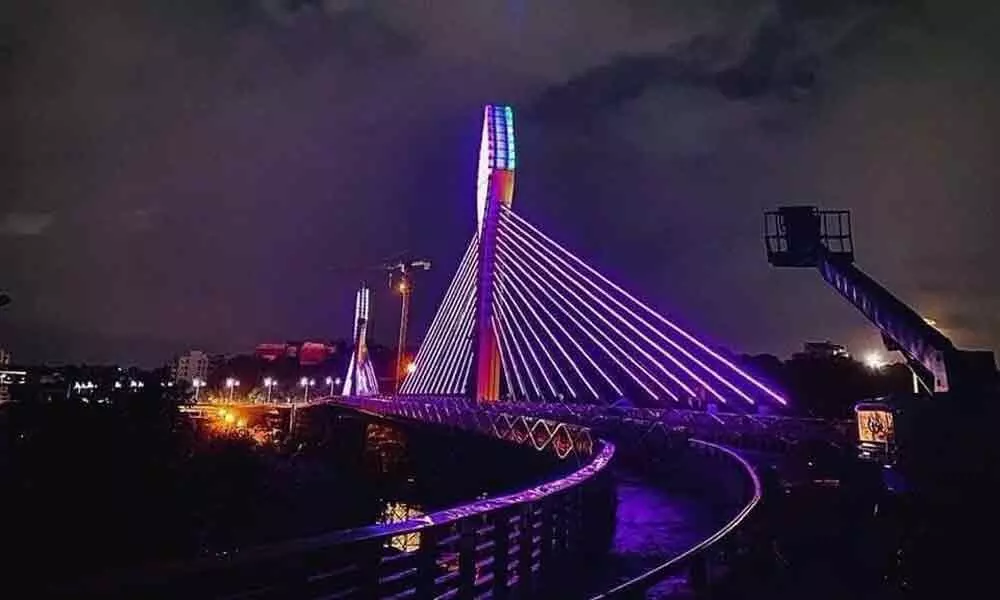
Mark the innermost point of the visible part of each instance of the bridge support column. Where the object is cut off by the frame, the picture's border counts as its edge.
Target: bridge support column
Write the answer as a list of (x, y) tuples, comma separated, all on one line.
[(494, 187), (487, 348)]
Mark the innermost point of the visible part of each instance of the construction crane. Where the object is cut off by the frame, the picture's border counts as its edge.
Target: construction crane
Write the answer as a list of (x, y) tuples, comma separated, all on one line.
[(936, 446), (401, 280), (804, 236), (954, 390)]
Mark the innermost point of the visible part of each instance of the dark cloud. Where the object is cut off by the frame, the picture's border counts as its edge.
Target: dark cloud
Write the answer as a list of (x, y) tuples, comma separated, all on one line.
[(221, 172), (19, 223), (779, 50)]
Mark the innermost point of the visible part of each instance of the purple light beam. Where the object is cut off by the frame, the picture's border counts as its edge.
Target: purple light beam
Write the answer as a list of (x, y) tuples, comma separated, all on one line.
[(505, 325), (502, 290), (504, 277), (601, 318), (423, 359), (545, 287), (654, 314), (546, 254), (566, 333), (502, 301)]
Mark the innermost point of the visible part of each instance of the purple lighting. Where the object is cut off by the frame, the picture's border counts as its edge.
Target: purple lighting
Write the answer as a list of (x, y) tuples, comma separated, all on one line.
[(461, 325), (576, 344), (505, 323), (576, 282), (452, 383), (531, 308), (432, 350), (507, 299), (548, 255), (428, 349), (611, 327), (515, 280), (580, 320), (507, 361), (654, 314)]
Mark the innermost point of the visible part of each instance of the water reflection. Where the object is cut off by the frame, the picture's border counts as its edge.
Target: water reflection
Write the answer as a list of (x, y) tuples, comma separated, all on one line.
[(385, 448), (397, 512)]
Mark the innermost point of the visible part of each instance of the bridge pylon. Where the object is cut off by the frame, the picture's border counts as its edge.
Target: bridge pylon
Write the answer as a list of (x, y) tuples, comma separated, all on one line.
[(526, 317), (360, 379), (495, 188)]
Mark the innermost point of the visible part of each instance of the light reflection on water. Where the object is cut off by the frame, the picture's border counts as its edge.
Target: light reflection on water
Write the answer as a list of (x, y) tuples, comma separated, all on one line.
[(397, 512)]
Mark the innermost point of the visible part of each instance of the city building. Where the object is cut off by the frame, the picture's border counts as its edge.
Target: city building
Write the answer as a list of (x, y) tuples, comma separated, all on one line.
[(306, 353), (271, 352), (193, 365), (825, 349)]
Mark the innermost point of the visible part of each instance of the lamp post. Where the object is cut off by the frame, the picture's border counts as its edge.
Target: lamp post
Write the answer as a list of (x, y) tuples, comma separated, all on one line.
[(198, 383), (306, 383), (231, 384), (329, 382), (269, 383)]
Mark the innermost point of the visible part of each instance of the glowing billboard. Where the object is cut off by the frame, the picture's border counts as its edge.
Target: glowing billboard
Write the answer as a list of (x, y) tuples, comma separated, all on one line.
[(875, 425)]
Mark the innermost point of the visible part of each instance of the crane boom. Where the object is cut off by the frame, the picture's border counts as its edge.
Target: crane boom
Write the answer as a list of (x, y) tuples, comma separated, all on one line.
[(803, 236)]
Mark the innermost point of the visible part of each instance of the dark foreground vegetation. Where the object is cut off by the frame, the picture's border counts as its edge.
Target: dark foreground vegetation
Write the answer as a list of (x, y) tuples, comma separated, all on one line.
[(90, 488)]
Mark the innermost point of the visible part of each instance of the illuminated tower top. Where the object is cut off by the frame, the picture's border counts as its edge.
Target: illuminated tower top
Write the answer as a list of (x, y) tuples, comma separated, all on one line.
[(360, 309), (497, 158)]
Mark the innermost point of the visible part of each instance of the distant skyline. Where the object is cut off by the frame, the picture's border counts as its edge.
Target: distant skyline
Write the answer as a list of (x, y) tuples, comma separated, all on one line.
[(217, 174)]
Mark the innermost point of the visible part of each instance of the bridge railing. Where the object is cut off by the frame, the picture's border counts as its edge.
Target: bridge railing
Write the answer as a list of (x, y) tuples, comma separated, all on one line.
[(645, 433), (758, 432), (519, 543), (734, 479), (564, 439)]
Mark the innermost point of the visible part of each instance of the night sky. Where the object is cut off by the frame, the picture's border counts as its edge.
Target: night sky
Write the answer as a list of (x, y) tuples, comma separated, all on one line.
[(218, 173)]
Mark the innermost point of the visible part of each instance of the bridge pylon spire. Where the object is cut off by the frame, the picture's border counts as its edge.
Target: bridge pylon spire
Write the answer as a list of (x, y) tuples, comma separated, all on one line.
[(525, 315), (495, 188), (360, 379)]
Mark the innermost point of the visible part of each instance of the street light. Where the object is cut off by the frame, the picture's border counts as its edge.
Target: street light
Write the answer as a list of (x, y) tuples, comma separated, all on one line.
[(874, 361), (306, 383), (198, 383), (269, 383), (330, 382), (232, 385)]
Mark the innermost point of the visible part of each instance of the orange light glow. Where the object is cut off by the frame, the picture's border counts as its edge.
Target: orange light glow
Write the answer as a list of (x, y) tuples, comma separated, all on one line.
[(411, 367)]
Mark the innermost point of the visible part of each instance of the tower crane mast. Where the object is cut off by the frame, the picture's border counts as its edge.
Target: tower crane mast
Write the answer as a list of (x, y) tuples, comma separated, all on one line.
[(401, 280)]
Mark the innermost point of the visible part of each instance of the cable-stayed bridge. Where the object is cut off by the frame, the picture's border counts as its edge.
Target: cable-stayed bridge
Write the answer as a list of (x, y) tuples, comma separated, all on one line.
[(526, 319), (531, 345)]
